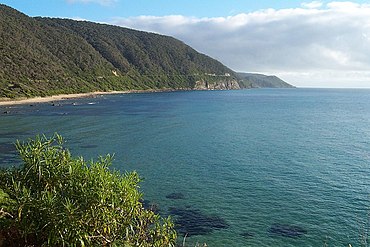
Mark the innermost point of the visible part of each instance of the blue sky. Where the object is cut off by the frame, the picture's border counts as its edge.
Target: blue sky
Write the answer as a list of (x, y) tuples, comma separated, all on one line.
[(306, 43), (104, 10)]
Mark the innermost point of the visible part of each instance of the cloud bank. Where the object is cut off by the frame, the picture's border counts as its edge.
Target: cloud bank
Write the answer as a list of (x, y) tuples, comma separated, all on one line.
[(314, 45)]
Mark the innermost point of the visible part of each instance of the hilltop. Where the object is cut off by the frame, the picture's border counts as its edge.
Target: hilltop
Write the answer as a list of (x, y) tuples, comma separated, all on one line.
[(48, 56)]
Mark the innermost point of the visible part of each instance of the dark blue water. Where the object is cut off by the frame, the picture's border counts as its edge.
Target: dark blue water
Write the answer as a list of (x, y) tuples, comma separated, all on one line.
[(283, 167)]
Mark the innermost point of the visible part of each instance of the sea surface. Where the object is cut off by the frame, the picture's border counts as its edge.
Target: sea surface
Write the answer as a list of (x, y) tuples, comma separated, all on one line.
[(261, 167)]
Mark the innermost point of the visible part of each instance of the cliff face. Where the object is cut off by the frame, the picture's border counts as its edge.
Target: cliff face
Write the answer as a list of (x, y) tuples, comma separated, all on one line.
[(225, 84)]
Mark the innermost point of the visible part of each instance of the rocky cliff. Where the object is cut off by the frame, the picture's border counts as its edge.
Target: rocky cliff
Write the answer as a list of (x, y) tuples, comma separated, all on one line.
[(225, 84)]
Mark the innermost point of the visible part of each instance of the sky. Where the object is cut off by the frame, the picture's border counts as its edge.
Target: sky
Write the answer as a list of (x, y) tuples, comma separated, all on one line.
[(306, 43)]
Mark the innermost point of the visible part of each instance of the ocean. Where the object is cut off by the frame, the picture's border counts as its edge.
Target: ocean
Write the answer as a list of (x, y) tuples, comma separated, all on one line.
[(261, 167)]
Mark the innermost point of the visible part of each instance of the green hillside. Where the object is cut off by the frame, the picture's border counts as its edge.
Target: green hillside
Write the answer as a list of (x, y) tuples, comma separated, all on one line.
[(252, 80), (47, 56)]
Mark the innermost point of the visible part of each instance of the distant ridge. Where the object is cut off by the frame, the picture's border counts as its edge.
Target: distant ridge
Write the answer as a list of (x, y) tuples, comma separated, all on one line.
[(253, 80), (48, 56)]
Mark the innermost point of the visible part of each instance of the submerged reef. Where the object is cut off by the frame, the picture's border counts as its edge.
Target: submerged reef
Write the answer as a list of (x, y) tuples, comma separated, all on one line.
[(194, 222), (289, 231), (175, 196), (247, 234), (87, 146)]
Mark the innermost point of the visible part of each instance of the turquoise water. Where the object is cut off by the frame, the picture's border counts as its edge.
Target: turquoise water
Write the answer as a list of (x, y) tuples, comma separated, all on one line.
[(266, 167)]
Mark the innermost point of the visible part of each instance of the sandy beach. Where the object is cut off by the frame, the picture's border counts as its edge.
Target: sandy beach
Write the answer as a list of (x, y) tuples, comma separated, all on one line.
[(60, 97)]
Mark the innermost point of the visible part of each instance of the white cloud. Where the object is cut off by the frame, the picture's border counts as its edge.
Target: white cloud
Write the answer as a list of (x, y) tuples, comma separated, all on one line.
[(77, 18), (312, 5), (344, 5), (321, 42), (101, 2)]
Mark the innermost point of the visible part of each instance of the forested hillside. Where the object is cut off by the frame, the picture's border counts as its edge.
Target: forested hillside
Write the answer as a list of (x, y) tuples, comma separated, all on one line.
[(47, 56), (252, 80)]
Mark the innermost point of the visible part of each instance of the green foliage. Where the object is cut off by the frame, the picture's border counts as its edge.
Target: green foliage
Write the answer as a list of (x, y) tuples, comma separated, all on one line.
[(54, 199), (47, 56)]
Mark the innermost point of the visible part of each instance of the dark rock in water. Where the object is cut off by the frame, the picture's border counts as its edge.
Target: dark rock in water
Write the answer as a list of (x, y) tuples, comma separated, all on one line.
[(154, 207), (145, 203), (175, 196), (289, 231), (247, 234), (89, 146), (6, 112), (194, 222)]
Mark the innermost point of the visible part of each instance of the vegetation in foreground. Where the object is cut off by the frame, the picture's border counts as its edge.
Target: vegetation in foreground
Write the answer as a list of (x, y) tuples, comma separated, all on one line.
[(54, 199)]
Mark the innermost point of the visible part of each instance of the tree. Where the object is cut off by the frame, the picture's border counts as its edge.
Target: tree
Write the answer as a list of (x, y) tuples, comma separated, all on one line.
[(54, 199)]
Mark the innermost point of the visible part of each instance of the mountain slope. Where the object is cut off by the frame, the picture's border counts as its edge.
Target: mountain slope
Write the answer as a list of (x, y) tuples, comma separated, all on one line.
[(47, 56), (252, 80)]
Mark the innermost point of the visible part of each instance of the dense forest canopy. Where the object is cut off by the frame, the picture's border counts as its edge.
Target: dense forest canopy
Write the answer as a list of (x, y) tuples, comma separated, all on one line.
[(48, 56)]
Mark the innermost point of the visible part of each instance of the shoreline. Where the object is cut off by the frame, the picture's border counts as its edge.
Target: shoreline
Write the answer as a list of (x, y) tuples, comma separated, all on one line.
[(62, 97)]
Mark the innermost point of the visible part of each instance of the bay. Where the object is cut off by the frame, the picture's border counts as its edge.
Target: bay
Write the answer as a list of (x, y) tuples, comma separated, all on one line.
[(264, 167)]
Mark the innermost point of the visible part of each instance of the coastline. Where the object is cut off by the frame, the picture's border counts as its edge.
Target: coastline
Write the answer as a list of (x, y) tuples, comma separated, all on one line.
[(61, 97)]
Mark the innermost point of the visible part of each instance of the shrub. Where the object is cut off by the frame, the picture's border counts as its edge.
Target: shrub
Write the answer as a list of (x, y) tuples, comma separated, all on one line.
[(54, 199)]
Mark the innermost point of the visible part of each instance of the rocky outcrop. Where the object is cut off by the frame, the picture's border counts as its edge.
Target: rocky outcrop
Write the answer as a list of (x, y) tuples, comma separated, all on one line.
[(217, 85)]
